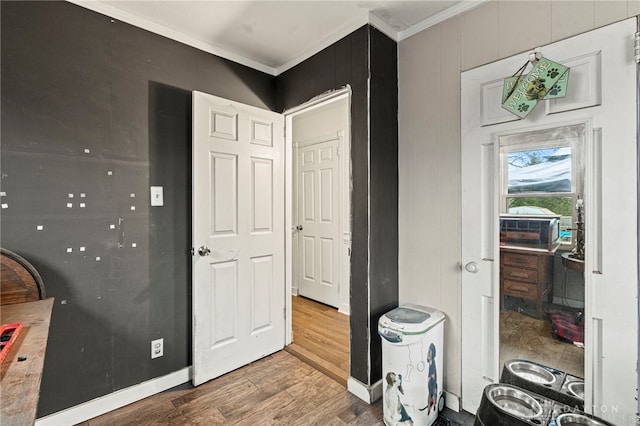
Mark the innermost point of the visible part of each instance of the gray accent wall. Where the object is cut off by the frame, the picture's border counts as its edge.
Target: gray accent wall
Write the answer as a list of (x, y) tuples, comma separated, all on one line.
[(94, 111), (365, 60)]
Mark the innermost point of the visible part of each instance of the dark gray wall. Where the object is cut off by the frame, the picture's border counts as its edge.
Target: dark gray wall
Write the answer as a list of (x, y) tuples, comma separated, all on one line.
[(345, 63), (383, 243), (73, 80), (365, 58), (84, 95)]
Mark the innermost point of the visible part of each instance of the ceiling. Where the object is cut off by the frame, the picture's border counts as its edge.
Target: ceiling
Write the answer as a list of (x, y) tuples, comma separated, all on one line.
[(273, 36)]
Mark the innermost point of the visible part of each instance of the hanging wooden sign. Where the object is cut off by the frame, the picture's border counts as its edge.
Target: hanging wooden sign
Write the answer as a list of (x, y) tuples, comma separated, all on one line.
[(547, 80)]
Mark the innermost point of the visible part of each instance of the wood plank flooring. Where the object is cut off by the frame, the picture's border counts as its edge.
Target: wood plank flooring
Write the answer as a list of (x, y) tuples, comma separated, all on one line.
[(286, 388), (276, 390), (321, 338)]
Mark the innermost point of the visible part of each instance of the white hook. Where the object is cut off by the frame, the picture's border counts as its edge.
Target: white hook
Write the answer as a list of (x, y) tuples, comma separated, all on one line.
[(535, 55)]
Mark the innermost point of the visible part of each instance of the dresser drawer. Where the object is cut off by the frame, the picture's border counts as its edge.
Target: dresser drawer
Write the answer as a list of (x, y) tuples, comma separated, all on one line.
[(520, 274), (519, 289), (521, 260)]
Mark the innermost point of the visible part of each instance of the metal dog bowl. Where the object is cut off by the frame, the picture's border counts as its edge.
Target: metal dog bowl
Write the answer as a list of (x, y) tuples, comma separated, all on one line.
[(576, 388), (531, 372), (514, 401), (575, 419)]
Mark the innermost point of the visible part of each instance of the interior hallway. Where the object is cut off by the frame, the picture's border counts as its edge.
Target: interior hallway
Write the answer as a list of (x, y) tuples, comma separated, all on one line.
[(321, 338)]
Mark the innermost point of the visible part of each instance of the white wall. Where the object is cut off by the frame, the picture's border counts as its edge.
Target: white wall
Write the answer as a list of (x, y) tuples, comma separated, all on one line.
[(430, 64)]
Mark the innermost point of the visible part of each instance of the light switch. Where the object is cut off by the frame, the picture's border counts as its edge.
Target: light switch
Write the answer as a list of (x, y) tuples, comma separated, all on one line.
[(156, 196)]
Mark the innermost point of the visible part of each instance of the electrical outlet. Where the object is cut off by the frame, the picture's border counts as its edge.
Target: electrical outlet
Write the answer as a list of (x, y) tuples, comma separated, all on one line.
[(157, 348)]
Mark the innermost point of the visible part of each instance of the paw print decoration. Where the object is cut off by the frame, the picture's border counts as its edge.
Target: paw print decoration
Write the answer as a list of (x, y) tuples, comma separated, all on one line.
[(555, 90), (547, 80), (553, 73)]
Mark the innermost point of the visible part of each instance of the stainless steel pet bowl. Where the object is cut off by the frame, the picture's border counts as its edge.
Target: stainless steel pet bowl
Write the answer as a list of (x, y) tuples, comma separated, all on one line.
[(576, 389), (514, 401), (532, 372), (575, 419)]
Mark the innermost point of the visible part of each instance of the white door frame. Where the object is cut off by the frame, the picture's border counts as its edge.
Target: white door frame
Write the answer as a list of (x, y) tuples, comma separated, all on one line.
[(610, 290), (345, 166)]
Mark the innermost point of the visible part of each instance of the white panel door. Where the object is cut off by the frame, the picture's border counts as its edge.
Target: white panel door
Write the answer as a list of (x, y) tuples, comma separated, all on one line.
[(238, 235), (319, 236), (604, 100)]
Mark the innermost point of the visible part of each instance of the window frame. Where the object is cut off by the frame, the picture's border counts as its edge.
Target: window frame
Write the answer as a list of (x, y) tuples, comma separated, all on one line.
[(572, 136)]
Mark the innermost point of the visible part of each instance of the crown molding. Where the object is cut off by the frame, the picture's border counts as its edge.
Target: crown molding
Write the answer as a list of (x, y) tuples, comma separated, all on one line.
[(457, 9), (347, 29), (383, 27), (159, 29)]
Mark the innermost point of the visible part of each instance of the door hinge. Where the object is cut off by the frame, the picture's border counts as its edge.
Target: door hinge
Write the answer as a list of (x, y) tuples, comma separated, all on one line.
[(338, 151)]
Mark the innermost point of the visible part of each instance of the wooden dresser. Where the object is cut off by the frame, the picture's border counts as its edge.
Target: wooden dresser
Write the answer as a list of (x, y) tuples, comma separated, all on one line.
[(526, 274)]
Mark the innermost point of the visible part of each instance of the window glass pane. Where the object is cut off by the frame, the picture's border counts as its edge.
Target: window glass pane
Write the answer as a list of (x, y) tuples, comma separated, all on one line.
[(539, 170), (562, 206)]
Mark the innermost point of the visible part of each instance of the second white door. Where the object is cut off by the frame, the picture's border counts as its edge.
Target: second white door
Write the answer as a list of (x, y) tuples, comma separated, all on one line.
[(318, 204)]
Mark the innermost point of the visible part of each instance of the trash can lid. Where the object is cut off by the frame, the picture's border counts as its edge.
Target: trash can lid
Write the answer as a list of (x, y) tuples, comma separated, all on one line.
[(411, 319)]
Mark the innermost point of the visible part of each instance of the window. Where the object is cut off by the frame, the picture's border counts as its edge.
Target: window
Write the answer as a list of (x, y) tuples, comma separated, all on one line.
[(542, 175)]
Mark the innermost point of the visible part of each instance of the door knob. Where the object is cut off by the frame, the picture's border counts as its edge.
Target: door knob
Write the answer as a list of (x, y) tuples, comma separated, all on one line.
[(471, 267), (299, 228), (204, 251)]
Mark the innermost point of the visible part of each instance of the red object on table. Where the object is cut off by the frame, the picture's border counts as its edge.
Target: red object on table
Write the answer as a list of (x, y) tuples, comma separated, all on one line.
[(8, 335)]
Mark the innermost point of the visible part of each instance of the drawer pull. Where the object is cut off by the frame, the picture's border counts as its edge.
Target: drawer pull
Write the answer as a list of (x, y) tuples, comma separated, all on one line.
[(520, 289), (519, 274)]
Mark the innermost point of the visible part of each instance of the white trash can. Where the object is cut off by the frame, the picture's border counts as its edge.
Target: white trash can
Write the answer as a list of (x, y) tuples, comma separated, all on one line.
[(412, 353)]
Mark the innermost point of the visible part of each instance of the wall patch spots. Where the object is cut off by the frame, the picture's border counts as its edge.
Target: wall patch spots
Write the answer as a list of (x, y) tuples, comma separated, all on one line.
[(134, 245), (83, 248), (82, 205), (39, 228), (69, 205), (82, 195), (133, 208), (70, 195), (98, 259), (69, 250), (87, 151), (109, 173), (112, 226)]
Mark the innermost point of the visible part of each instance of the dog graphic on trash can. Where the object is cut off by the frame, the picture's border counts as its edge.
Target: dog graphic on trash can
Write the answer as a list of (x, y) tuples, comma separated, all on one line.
[(395, 413), (432, 383)]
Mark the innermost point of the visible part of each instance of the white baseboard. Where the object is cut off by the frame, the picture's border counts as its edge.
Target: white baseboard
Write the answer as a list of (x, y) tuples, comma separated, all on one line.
[(90, 409), (368, 394), (344, 309), (452, 401)]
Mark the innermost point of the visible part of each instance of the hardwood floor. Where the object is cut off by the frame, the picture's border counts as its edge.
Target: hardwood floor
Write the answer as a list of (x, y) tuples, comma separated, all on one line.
[(523, 337), (276, 390), (286, 388), (321, 338)]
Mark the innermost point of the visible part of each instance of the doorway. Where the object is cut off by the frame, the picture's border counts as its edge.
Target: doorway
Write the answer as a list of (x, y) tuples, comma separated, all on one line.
[(318, 139)]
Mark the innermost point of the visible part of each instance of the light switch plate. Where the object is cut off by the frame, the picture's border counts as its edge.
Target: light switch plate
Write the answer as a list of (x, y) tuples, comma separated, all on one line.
[(156, 196)]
